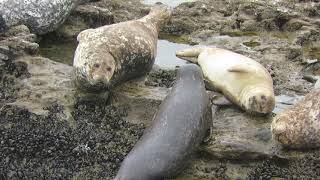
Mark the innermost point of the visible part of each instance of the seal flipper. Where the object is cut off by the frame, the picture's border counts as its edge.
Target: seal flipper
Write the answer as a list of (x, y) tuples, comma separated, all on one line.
[(218, 99), (242, 68), (190, 54)]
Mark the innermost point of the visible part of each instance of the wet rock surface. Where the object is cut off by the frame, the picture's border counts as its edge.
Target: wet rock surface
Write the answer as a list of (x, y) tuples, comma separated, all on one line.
[(92, 146), (85, 138)]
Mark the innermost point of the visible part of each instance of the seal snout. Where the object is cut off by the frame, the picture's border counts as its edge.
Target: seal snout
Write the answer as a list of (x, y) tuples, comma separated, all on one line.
[(259, 100)]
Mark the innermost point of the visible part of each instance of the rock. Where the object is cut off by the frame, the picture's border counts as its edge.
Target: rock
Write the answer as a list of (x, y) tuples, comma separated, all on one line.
[(142, 101), (295, 53), (50, 82), (312, 72), (236, 135), (17, 41), (40, 16), (317, 85), (295, 25), (94, 14)]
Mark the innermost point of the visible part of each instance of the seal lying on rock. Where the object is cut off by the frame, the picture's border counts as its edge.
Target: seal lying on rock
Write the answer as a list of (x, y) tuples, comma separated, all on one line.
[(40, 16), (116, 53), (299, 126), (177, 129), (242, 80)]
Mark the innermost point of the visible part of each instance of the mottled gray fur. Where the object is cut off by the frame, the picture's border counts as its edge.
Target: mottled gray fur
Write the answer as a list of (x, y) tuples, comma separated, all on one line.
[(112, 54)]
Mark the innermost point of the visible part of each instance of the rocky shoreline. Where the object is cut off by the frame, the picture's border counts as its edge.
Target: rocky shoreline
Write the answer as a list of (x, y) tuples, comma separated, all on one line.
[(48, 129)]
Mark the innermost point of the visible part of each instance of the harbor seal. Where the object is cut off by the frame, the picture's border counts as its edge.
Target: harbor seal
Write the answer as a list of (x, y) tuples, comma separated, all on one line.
[(299, 126), (112, 54), (178, 127), (242, 80), (40, 16)]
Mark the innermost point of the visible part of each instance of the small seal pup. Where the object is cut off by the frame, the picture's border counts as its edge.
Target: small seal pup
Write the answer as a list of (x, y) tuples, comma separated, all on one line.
[(299, 126), (40, 16), (112, 54), (178, 127), (242, 80)]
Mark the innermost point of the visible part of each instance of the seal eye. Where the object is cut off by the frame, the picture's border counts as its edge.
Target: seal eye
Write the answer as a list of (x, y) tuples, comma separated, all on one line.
[(109, 68), (96, 65)]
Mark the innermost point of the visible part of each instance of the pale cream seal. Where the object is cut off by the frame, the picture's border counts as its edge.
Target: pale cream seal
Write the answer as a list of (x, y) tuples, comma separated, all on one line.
[(242, 80)]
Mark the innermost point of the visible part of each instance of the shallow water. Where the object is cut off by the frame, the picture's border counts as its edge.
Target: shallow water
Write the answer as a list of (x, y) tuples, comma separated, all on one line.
[(60, 51), (63, 51), (166, 54), (283, 102), (171, 3)]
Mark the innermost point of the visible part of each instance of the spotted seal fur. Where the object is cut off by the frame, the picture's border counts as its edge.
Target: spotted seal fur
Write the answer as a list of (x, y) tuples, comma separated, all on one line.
[(112, 54)]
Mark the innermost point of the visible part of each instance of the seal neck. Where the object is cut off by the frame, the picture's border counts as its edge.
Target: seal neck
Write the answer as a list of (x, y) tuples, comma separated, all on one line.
[(158, 16)]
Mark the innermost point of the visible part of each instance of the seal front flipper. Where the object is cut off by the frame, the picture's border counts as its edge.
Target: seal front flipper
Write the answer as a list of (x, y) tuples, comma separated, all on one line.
[(242, 68)]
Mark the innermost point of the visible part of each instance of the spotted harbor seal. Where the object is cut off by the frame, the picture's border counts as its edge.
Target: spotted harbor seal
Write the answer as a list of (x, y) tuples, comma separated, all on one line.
[(178, 127), (40, 16), (242, 80), (109, 55), (299, 126)]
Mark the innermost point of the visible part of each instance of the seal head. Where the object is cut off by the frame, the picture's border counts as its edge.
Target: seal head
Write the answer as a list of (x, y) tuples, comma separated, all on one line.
[(99, 67), (257, 98)]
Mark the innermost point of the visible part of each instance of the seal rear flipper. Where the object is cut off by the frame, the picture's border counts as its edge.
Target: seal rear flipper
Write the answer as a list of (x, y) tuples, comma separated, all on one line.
[(218, 99), (190, 54)]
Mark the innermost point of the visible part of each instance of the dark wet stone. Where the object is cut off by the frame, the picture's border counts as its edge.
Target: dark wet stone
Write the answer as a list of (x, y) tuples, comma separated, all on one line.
[(161, 78), (93, 146)]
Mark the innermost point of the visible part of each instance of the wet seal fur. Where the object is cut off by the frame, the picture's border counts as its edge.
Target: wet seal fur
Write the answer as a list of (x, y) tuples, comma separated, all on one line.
[(40, 16), (177, 129), (112, 54), (299, 126), (242, 80)]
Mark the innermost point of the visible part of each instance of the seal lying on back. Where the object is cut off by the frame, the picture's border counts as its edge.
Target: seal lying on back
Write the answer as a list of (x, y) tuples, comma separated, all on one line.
[(177, 129), (40, 16), (299, 126), (113, 54), (242, 80)]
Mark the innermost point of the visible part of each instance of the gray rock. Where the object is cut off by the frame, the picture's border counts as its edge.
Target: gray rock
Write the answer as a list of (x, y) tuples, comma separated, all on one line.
[(41, 16), (295, 53), (142, 101), (317, 85)]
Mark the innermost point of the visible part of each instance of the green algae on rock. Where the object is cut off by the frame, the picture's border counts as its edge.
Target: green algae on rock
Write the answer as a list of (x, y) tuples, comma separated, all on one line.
[(175, 38), (252, 44), (239, 33)]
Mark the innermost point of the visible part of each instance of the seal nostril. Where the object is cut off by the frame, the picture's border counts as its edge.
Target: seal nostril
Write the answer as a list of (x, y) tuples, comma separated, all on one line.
[(109, 68)]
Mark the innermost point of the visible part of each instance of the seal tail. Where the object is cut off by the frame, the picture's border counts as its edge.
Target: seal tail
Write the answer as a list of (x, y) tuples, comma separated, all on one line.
[(190, 54)]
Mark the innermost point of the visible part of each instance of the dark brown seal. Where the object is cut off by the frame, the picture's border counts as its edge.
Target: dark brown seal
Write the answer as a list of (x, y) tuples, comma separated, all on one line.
[(178, 128), (112, 54)]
